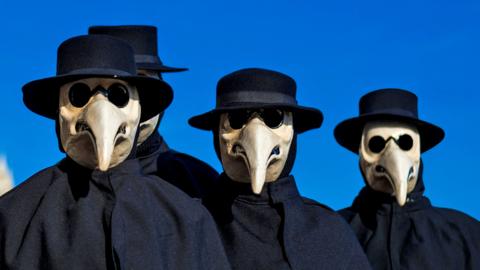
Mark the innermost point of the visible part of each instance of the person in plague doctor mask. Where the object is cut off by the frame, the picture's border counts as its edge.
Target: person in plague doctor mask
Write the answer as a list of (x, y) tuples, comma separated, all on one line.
[(263, 220), (95, 209), (394, 222), (191, 175)]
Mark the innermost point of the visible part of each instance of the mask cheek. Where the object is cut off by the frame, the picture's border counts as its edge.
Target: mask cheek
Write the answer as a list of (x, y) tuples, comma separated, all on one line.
[(367, 165), (234, 166), (123, 146), (79, 147), (413, 181)]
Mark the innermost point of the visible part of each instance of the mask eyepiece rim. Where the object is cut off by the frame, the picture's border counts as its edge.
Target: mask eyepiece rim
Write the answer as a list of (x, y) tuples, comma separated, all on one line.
[(79, 94)]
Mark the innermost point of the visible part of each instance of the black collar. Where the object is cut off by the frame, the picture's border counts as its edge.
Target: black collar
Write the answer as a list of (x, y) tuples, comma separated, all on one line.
[(279, 191)]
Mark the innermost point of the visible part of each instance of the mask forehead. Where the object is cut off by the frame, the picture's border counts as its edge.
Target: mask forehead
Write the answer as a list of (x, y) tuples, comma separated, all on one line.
[(99, 134), (255, 153)]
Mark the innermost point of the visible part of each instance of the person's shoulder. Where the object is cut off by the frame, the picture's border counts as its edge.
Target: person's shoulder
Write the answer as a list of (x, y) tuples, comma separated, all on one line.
[(186, 160), (460, 220), (175, 200), (324, 212), (31, 187)]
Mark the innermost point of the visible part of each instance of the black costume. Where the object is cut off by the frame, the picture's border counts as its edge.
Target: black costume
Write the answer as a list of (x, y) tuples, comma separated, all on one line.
[(279, 229), (69, 217), (191, 175), (415, 236)]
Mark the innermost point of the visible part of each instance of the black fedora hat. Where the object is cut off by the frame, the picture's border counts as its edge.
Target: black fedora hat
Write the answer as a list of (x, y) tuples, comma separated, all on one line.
[(143, 39), (387, 105), (95, 56), (258, 88)]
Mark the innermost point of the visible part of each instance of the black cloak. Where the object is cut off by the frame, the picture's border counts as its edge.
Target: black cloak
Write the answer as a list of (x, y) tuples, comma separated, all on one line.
[(191, 175), (279, 229), (68, 217), (415, 236)]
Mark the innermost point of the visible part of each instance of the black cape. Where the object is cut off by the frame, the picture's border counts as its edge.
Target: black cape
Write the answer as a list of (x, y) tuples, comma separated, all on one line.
[(279, 229), (68, 217), (191, 175), (415, 236)]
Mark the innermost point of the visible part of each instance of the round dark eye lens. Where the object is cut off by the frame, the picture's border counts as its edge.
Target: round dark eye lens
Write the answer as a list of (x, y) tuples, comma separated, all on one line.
[(237, 119), (376, 144), (273, 118), (405, 142), (79, 94), (118, 95)]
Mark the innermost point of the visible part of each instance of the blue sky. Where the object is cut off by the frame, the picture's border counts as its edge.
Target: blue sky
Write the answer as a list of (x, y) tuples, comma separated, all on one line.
[(336, 51)]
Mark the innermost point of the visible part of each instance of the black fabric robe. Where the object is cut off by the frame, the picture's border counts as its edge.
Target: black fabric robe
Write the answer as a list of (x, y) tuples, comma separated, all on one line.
[(415, 236), (279, 229), (191, 175), (68, 217)]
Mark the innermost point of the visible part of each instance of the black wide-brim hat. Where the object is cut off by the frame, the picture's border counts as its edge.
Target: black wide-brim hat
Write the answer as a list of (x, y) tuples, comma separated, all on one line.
[(387, 105), (254, 88), (90, 57), (143, 39)]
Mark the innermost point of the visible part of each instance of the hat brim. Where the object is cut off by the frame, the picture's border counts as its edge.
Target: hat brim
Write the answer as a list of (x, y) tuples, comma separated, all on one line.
[(42, 96), (304, 118), (349, 132), (159, 67)]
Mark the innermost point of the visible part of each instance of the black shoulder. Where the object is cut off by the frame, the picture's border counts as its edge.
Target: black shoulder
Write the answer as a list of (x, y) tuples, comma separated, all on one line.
[(29, 190), (347, 213), (325, 213), (194, 164), (176, 201), (464, 223)]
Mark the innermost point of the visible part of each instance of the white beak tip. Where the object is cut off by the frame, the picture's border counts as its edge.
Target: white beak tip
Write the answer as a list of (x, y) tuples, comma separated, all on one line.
[(257, 188), (401, 200), (103, 166)]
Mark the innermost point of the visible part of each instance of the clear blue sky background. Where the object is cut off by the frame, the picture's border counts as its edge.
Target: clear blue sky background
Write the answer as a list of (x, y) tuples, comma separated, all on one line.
[(336, 51)]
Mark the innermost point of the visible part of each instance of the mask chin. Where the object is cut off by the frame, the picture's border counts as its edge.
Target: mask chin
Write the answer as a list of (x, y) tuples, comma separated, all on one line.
[(255, 153), (99, 135), (393, 166)]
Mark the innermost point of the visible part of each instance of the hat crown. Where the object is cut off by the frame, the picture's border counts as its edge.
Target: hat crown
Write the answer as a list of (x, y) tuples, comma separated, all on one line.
[(142, 38), (256, 85), (109, 54), (390, 101)]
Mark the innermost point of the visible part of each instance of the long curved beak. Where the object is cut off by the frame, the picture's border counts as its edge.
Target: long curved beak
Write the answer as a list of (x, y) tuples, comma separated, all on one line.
[(398, 169), (104, 123), (258, 148)]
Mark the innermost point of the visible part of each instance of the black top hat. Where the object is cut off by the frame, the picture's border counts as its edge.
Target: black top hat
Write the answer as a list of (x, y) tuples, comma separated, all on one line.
[(95, 56), (258, 88), (389, 105), (143, 39)]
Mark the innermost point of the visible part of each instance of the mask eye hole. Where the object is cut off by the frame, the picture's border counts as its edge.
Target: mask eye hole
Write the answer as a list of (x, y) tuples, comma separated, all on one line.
[(79, 94), (237, 119), (376, 144), (405, 142), (118, 95), (273, 118)]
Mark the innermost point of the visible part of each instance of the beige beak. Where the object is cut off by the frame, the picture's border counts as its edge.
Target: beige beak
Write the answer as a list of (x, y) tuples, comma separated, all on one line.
[(258, 148), (398, 169), (101, 117)]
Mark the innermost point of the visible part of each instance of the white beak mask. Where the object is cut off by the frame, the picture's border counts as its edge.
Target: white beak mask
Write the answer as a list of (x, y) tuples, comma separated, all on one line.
[(254, 145), (390, 158), (98, 121)]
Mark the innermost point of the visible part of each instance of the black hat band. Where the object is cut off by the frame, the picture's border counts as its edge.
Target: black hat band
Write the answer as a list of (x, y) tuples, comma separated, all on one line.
[(392, 111), (254, 97), (146, 58)]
